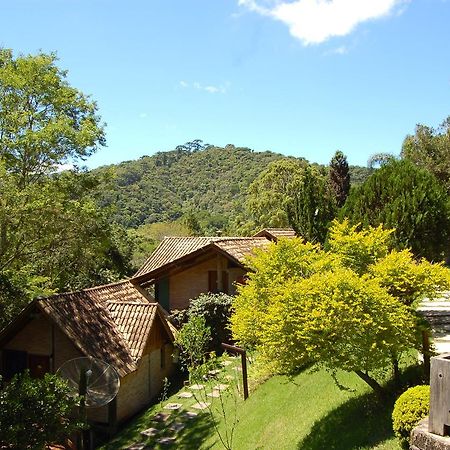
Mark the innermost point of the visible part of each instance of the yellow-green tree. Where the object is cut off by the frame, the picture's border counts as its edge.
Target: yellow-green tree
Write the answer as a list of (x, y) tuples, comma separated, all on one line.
[(341, 308)]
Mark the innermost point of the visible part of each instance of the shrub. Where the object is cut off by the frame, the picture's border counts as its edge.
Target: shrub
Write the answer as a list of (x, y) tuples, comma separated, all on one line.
[(216, 310), (412, 406), (192, 340), (34, 412)]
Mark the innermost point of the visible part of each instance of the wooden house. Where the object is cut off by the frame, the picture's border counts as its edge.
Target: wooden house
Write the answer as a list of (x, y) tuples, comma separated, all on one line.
[(117, 323), (181, 268)]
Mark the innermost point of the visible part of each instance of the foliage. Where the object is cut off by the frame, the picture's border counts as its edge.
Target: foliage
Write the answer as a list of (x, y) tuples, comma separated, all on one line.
[(430, 148), (403, 196), (216, 310), (35, 412), (44, 122), (148, 236), (193, 339), (335, 309), (312, 206), (412, 406), (292, 193), (210, 182), (339, 177), (53, 234)]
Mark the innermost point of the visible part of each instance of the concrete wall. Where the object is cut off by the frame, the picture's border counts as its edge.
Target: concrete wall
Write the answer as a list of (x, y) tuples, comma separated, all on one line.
[(193, 281)]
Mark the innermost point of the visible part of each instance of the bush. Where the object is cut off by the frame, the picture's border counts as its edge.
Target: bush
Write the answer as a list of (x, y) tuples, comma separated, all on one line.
[(412, 406), (216, 310), (34, 412)]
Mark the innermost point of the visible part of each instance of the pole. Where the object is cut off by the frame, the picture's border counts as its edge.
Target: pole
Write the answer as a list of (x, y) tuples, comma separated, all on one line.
[(243, 353)]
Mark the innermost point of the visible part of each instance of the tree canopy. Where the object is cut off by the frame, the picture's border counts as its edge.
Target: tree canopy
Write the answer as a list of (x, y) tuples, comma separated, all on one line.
[(341, 308), (409, 199), (292, 193), (44, 122), (53, 234), (430, 148), (339, 177)]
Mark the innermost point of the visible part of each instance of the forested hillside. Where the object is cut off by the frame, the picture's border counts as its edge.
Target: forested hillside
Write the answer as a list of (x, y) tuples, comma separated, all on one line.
[(209, 181)]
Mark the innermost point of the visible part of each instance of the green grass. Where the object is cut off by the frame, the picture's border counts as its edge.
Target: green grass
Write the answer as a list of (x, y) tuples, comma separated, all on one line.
[(308, 412)]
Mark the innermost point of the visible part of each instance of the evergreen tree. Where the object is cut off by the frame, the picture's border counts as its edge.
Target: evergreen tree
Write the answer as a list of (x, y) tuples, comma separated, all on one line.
[(339, 177), (403, 196)]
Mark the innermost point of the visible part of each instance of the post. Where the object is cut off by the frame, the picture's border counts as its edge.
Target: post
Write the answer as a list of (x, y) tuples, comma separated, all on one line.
[(243, 353)]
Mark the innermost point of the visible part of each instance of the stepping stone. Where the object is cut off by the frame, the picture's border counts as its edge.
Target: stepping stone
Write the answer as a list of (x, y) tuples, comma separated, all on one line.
[(161, 417), (201, 405), (214, 372), (185, 395), (136, 447), (149, 432), (226, 363), (213, 394), (177, 426), (173, 406), (166, 440), (220, 387), (229, 377), (197, 387), (189, 415), (238, 369)]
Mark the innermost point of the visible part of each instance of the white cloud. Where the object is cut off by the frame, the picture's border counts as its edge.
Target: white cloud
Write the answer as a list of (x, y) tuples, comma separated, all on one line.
[(315, 21), (211, 89), (342, 50)]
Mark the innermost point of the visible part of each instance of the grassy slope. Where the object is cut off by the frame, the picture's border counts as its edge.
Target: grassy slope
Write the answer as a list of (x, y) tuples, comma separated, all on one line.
[(309, 412)]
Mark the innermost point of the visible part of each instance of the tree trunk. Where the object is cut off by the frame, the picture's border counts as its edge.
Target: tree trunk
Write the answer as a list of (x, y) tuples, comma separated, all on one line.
[(379, 390)]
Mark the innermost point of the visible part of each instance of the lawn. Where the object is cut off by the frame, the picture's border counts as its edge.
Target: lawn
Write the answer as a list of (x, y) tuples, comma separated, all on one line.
[(308, 412)]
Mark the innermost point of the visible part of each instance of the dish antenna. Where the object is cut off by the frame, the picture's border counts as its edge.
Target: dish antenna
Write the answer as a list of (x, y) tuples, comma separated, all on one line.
[(95, 381)]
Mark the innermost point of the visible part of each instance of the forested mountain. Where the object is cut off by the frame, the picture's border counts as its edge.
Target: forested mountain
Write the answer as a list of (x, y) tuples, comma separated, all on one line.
[(207, 180)]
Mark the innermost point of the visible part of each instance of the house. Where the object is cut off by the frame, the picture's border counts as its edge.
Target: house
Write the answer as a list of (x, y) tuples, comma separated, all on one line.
[(273, 234), (117, 323), (181, 268)]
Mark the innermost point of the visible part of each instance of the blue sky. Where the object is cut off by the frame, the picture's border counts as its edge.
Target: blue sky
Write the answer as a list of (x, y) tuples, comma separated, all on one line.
[(299, 77)]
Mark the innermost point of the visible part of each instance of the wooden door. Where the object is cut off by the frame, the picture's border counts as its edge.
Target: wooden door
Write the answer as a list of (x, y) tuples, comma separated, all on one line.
[(13, 362), (39, 365)]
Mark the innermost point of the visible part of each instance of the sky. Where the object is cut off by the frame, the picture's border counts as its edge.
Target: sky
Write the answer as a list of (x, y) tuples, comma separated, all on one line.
[(297, 77)]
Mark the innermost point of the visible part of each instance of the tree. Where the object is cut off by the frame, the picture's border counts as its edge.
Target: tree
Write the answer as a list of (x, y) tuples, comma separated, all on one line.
[(312, 207), (44, 122), (403, 196), (269, 194), (430, 148), (334, 309), (292, 193), (35, 412), (339, 177)]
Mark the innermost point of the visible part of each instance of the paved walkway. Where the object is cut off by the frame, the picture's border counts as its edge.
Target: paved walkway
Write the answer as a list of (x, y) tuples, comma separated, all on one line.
[(437, 313)]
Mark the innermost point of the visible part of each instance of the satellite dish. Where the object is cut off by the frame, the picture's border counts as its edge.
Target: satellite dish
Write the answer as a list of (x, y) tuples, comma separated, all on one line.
[(98, 382)]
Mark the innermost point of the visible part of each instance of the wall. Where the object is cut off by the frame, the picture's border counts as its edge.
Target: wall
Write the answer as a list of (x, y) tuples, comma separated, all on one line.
[(193, 281), (36, 338)]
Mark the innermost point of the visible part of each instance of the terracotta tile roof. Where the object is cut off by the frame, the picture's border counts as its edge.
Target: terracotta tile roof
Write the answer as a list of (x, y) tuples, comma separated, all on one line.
[(172, 249), (134, 321), (241, 248), (277, 233), (111, 322)]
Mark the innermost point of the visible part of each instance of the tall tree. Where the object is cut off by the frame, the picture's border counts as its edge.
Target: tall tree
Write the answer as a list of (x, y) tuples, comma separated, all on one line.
[(312, 206), (53, 236), (292, 193), (44, 122), (339, 177), (430, 148), (403, 196)]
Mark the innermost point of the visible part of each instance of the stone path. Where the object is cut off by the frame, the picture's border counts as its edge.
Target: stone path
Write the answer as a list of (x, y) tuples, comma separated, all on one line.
[(170, 424)]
